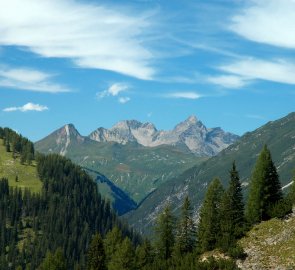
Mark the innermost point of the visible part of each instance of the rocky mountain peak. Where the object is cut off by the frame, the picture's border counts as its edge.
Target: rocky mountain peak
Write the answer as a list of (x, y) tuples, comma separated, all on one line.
[(191, 133)]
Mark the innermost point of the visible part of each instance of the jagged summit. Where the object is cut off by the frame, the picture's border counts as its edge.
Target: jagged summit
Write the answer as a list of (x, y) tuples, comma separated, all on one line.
[(191, 133)]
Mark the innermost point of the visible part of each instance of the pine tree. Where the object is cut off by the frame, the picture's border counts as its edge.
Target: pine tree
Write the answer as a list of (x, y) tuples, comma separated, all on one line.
[(54, 261), (265, 189), (96, 255), (124, 257), (209, 223), (232, 212), (144, 255), (186, 232), (112, 241), (164, 230)]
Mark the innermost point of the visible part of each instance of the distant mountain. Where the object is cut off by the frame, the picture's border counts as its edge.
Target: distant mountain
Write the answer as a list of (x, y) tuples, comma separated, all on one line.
[(278, 135), (191, 134), (135, 169)]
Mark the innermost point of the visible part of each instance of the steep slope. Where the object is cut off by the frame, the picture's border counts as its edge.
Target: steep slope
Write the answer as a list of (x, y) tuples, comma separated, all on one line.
[(121, 202), (278, 135), (136, 169), (18, 175), (270, 245), (191, 134)]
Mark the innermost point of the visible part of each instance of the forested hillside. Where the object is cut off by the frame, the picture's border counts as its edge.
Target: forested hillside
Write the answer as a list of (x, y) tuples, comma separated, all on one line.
[(64, 215)]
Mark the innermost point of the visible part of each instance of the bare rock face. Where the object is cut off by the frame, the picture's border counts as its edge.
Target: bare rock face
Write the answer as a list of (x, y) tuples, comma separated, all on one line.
[(191, 133)]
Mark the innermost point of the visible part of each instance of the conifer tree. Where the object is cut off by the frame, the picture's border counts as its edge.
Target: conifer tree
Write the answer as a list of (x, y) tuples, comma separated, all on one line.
[(124, 257), (96, 255), (232, 212), (265, 189), (112, 241), (209, 223), (186, 231), (164, 230), (144, 255)]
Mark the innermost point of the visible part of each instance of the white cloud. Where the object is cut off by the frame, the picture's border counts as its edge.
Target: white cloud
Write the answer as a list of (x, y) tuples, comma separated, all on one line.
[(92, 36), (114, 90), (27, 107), (185, 95), (280, 71), (228, 81), (123, 100), (267, 21), (29, 79)]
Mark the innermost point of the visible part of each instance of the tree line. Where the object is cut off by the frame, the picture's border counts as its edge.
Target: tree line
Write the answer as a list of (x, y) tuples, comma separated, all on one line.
[(224, 218)]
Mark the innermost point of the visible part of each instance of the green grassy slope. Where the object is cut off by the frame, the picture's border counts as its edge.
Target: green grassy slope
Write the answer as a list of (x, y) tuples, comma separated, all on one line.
[(278, 135), (10, 168), (270, 245)]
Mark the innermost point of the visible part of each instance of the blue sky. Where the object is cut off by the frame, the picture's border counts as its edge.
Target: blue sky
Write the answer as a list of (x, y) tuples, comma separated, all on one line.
[(93, 63)]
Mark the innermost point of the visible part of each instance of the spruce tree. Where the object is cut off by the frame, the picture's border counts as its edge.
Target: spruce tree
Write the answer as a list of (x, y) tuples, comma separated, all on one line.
[(265, 189), (144, 255), (96, 255), (209, 223), (164, 230), (124, 257), (232, 212), (186, 231)]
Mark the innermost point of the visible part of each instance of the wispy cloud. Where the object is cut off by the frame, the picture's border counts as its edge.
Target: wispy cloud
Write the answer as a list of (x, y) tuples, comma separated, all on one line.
[(91, 35), (27, 107), (184, 95), (29, 79), (228, 81), (267, 21), (280, 71), (124, 100), (255, 116), (114, 90)]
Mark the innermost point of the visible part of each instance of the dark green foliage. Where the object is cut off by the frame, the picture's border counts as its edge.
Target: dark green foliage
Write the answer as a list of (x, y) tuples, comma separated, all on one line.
[(165, 233), (18, 145), (66, 214), (208, 231), (124, 257), (186, 230), (232, 222), (54, 261), (265, 189), (144, 255), (96, 257), (112, 242)]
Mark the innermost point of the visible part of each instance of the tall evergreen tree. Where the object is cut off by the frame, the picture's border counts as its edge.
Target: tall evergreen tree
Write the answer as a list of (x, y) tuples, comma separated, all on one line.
[(232, 211), (164, 230), (209, 223), (96, 255), (186, 231), (124, 257), (265, 189), (144, 255)]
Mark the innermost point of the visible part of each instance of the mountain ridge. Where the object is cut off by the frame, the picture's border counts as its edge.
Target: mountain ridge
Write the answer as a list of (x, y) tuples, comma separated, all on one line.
[(279, 135), (190, 133)]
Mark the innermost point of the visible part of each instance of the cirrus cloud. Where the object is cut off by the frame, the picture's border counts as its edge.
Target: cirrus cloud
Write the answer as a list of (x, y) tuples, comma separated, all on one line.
[(91, 35), (184, 95), (29, 79)]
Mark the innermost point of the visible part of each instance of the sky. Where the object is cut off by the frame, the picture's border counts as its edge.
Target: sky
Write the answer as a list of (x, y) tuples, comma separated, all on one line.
[(94, 63)]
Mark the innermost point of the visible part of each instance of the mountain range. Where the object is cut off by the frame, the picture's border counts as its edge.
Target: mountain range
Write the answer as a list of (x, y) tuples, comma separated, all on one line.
[(191, 134), (279, 135), (134, 156)]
